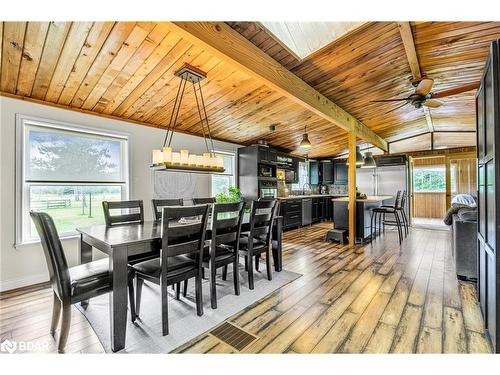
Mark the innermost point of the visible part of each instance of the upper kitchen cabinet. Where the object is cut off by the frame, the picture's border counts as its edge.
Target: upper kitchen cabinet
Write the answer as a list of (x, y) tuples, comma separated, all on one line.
[(266, 154), (321, 172), (340, 172)]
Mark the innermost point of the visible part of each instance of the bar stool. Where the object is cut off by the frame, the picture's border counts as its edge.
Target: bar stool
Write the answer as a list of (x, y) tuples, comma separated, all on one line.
[(401, 210), (380, 212)]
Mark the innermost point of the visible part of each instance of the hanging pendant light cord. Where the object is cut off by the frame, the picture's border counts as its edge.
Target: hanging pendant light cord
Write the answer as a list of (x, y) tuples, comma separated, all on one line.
[(175, 113)]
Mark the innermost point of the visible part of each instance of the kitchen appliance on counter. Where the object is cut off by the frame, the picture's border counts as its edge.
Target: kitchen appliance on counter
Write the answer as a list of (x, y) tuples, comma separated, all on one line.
[(268, 189)]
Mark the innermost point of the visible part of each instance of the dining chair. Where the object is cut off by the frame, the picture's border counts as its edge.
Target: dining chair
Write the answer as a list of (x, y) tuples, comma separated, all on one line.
[(223, 248), (123, 218), (203, 200), (71, 285), (274, 243), (158, 205), (258, 240), (174, 265)]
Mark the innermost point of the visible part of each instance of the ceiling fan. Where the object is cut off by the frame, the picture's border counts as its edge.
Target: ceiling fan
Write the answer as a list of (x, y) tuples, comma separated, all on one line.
[(423, 95)]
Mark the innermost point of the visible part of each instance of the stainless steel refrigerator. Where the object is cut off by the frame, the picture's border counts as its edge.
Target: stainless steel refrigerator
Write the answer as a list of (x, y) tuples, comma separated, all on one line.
[(385, 180)]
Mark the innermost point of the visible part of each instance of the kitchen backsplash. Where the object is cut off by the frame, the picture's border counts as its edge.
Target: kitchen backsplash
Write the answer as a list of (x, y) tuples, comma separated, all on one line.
[(337, 189)]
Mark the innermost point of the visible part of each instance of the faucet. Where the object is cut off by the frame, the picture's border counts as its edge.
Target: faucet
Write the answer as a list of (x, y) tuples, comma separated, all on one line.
[(304, 188)]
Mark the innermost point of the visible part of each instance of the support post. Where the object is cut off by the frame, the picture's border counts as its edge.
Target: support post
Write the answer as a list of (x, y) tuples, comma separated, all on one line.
[(352, 188)]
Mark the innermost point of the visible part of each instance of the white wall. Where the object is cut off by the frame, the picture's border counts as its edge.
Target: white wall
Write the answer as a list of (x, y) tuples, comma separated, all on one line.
[(25, 264)]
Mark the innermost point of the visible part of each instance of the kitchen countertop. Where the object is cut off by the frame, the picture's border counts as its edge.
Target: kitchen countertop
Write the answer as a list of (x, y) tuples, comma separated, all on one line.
[(368, 199), (311, 196)]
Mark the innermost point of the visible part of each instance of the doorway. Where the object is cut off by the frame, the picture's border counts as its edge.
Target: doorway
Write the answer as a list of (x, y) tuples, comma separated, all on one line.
[(435, 181)]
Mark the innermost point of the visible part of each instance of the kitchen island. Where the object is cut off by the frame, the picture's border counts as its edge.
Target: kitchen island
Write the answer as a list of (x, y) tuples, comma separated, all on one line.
[(363, 213)]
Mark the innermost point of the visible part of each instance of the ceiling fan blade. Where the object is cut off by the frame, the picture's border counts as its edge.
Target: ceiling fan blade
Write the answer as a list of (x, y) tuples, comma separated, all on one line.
[(395, 109), (424, 86), (389, 100), (456, 90), (433, 103)]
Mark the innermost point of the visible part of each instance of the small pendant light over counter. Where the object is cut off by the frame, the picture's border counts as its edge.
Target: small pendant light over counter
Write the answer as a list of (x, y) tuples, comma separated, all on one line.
[(305, 143), (184, 161), (369, 161)]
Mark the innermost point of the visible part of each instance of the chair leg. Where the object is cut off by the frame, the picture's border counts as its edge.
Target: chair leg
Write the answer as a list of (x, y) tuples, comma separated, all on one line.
[(224, 273), (199, 296), (213, 286), (257, 262), (131, 298), (185, 291), (405, 222), (398, 224), (250, 271), (65, 325), (246, 263), (164, 309), (268, 264), (56, 312), (383, 223), (138, 293), (371, 225), (236, 277), (178, 291), (203, 273)]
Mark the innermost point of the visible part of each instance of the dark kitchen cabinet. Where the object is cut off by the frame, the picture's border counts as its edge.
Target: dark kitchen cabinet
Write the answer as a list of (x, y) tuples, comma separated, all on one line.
[(326, 172), (291, 210), (313, 172), (266, 154), (318, 209), (488, 154), (340, 172)]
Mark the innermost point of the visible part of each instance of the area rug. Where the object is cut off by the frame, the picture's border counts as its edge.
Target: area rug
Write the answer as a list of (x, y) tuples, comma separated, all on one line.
[(145, 335)]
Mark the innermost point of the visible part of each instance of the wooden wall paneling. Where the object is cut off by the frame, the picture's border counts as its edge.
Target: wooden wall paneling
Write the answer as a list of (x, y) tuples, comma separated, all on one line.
[(429, 204), (88, 53), (113, 43), (72, 46), (13, 41), (56, 36), (127, 50), (34, 42), (128, 105)]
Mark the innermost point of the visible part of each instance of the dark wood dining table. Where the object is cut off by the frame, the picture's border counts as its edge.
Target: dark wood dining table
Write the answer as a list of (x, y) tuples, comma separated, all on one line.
[(122, 242)]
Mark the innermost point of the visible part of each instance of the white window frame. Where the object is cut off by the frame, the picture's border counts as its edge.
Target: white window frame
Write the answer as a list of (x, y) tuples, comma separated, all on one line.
[(234, 174), (22, 188)]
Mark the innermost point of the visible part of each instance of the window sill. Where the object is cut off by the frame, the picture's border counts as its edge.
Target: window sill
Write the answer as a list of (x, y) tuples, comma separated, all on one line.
[(22, 245)]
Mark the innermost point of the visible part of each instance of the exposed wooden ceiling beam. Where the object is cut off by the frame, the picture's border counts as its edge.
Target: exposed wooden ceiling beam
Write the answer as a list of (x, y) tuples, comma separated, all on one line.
[(428, 118), (411, 56), (224, 42), (411, 52)]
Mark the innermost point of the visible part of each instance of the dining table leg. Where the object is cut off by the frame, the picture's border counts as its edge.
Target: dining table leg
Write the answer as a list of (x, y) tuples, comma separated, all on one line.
[(85, 257), (118, 298)]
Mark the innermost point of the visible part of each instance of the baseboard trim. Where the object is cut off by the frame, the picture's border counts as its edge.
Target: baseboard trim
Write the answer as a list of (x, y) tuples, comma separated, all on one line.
[(23, 282)]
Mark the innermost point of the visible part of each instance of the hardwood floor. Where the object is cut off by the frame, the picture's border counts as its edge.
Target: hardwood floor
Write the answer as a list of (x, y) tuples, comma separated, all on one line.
[(377, 298)]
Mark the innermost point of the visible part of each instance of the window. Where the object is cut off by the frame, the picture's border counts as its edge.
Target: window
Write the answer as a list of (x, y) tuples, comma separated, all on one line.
[(303, 176), (67, 172), (429, 179), (222, 181)]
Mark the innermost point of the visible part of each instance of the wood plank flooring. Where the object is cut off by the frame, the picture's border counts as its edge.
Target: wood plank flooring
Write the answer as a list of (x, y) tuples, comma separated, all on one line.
[(376, 298)]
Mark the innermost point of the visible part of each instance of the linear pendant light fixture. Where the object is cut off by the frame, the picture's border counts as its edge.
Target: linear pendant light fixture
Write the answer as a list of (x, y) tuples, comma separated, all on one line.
[(184, 161)]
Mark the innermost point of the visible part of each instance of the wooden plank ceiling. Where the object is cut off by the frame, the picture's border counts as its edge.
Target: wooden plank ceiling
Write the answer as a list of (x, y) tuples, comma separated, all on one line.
[(125, 70)]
